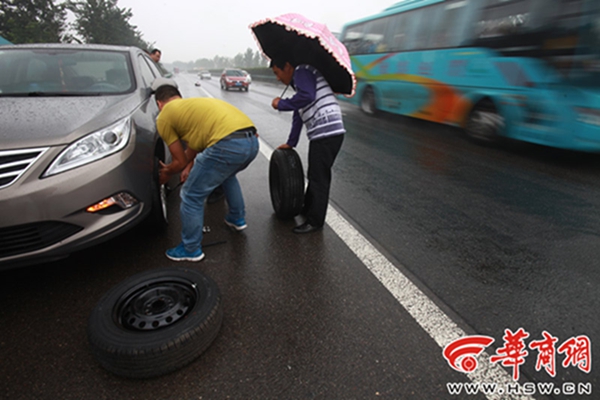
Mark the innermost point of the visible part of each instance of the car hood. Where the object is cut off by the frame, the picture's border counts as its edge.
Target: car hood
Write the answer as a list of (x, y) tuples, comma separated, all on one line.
[(50, 121)]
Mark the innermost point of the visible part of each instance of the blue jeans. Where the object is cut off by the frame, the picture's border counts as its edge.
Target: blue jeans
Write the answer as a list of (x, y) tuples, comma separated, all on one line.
[(217, 165)]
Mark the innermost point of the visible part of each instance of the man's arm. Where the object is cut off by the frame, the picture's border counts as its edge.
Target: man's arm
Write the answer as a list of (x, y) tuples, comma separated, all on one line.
[(191, 156), (178, 163)]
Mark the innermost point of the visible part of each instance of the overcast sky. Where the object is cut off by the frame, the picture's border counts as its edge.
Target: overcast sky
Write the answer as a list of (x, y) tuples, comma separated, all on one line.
[(186, 30)]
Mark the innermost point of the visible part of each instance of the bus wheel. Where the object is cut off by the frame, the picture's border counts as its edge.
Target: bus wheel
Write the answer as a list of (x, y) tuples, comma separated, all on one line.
[(155, 322), (367, 102), (485, 124)]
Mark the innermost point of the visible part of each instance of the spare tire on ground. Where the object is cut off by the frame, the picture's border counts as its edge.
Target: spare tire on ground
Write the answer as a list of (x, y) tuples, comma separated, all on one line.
[(155, 322), (286, 183)]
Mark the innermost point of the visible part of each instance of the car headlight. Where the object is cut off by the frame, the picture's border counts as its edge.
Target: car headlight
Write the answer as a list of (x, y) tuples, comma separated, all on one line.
[(92, 147)]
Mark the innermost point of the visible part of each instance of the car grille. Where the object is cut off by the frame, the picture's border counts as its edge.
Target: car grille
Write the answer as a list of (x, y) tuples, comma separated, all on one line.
[(30, 237), (13, 163)]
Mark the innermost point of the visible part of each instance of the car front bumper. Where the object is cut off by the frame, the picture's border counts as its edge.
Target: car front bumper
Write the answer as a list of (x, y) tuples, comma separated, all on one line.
[(45, 218)]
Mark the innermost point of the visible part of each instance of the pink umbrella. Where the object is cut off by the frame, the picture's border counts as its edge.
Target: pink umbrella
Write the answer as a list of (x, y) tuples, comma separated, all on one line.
[(295, 37)]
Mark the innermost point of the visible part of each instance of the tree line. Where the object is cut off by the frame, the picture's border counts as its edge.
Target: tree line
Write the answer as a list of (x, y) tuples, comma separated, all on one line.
[(94, 22)]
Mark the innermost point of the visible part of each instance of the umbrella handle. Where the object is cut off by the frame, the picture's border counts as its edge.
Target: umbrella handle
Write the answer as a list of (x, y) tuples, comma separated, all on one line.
[(284, 91)]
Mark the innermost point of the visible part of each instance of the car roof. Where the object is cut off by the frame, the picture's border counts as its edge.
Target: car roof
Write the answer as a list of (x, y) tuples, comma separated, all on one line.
[(71, 46)]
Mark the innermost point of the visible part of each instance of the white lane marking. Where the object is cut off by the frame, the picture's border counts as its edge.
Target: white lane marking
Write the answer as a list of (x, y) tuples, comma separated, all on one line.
[(206, 93), (428, 315)]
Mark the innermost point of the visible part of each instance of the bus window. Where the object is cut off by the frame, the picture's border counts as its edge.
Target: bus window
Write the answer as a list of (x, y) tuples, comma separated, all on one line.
[(569, 14), (423, 28), (375, 36), (572, 45), (353, 38), (398, 39), (504, 17), (449, 28)]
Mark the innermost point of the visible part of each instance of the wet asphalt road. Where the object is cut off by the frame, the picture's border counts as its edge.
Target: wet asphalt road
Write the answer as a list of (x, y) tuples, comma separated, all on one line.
[(499, 238)]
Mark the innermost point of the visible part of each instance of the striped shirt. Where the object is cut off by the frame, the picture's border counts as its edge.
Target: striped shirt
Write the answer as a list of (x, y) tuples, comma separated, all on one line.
[(314, 106)]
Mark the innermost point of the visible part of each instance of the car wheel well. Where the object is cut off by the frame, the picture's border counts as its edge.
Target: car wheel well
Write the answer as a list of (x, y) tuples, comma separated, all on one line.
[(159, 150)]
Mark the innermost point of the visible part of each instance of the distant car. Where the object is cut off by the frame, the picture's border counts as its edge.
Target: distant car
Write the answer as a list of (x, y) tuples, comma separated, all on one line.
[(234, 79), (198, 83), (204, 75), (79, 155)]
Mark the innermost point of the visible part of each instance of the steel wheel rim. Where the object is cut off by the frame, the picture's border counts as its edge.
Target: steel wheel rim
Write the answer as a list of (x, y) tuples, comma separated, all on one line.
[(155, 305)]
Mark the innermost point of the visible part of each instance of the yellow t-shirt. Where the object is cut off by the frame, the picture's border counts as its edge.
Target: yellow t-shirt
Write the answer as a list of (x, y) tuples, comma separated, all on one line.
[(200, 122)]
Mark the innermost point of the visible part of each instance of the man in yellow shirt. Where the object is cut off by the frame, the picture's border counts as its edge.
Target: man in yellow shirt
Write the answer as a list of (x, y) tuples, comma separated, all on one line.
[(210, 142)]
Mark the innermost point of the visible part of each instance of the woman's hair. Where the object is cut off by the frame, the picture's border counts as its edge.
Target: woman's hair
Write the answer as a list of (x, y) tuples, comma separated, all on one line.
[(166, 92)]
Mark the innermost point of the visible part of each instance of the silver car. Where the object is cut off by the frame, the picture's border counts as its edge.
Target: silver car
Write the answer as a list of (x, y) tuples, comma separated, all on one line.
[(79, 148)]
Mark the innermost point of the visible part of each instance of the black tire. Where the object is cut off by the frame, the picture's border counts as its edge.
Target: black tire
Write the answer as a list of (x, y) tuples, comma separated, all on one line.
[(155, 322), (159, 215), (485, 124), (286, 183), (368, 104)]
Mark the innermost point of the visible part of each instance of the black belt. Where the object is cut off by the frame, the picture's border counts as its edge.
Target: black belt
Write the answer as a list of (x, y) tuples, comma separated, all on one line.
[(242, 133)]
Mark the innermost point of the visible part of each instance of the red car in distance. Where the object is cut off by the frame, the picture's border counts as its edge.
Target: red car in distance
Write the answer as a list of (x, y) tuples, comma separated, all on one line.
[(232, 78)]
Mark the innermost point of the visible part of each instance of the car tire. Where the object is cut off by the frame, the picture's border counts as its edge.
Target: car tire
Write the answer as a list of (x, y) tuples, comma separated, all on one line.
[(485, 124), (159, 215), (286, 183), (155, 322)]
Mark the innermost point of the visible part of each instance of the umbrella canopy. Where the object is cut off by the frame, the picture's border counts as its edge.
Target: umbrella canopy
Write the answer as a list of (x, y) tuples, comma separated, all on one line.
[(303, 41)]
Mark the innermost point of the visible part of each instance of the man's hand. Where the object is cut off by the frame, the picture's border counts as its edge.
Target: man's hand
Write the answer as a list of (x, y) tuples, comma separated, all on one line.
[(186, 172), (275, 102), (164, 173), (178, 163), (285, 146)]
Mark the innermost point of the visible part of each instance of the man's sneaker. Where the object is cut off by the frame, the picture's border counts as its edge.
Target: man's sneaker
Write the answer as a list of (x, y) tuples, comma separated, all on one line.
[(180, 254), (238, 225)]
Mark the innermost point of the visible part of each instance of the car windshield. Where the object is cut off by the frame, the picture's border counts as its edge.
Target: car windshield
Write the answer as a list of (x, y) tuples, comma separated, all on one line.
[(64, 72), (234, 72)]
